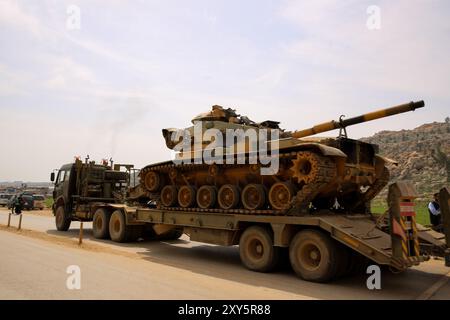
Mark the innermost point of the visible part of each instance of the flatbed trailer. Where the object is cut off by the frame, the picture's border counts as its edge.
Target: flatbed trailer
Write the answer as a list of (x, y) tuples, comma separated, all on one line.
[(322, 245)]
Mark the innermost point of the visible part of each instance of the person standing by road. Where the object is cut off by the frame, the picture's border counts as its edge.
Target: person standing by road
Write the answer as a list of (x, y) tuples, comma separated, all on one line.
[(17, 205), (435, 211)]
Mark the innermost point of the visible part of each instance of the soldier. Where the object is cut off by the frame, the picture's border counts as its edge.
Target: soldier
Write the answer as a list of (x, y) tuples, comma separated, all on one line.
[(435, 211)]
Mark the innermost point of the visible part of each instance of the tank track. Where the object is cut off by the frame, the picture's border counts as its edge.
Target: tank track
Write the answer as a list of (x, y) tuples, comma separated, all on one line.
[(298, 205), (326, 173)]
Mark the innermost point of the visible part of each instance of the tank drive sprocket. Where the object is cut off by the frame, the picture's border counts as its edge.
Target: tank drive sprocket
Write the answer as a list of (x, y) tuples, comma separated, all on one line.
[(314, 172)]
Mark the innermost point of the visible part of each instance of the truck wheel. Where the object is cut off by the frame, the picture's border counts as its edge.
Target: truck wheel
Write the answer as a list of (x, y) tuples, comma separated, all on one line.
[(100, 223), (118, 230), (257, 251), (62, 219), (313, 256)]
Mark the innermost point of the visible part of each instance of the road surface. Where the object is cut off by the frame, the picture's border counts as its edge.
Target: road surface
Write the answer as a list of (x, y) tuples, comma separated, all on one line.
[(33, 266)]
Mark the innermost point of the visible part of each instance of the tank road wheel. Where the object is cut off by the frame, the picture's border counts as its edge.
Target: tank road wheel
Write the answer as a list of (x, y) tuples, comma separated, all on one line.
[(228, 196), (281, 195), (152, 181), (100, 223), (257, 251), (186, 196), (169, 195), (206, 197), (253, 196), (313, 256), (62, 219), (306, 167)]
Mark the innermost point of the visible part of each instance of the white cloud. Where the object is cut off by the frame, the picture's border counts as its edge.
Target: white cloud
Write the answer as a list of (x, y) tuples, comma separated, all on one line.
[(12, 14), (66, 73), (409, 54)]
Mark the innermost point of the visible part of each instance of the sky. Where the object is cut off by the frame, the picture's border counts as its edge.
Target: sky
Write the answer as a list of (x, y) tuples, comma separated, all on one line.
[(102, 78)]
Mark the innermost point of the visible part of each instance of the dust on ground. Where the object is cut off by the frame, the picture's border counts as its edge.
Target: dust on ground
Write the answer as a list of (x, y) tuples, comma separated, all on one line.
[(43, 213), (73, 243)]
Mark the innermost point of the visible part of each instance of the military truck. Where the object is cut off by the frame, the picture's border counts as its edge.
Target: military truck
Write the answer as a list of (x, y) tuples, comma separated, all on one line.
[(323, 240), (81, 187)]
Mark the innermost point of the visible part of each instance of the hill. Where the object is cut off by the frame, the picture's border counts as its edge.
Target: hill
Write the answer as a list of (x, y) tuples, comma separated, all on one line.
[(423, 155)]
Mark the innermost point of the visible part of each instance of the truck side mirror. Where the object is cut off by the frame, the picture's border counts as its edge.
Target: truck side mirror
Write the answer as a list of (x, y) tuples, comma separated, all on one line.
[(52, 176)]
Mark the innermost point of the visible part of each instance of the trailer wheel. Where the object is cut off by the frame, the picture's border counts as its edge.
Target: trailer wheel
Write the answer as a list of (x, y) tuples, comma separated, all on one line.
[(118, 229), (100, 223), (62, 219), (313, 256), (357, 263), (344, 256), (257, 251), (171, 235)]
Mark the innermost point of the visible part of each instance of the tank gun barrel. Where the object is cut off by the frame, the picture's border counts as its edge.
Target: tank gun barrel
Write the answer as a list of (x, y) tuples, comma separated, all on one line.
[(343, 123)]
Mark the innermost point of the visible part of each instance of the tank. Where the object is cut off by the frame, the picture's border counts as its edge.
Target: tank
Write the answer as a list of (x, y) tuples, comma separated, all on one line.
[(312, 173)]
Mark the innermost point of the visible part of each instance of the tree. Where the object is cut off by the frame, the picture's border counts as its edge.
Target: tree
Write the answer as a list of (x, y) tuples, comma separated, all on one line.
[(447, 120), (442, 159)]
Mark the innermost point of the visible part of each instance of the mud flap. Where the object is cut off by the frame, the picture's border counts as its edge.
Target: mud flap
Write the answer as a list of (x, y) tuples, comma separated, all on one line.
[(402, 222)]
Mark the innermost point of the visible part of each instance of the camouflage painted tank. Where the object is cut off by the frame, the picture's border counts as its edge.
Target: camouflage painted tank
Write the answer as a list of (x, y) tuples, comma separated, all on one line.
[(341, 174)]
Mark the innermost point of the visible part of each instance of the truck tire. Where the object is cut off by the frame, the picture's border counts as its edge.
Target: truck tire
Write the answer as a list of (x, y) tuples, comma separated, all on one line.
[(119, 231), (314, 256), (100, 223), (62, 219), (257, 251)]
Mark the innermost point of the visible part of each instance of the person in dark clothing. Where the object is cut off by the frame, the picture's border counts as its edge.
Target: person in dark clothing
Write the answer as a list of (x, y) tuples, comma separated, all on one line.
[(435, 211), (18, 205)]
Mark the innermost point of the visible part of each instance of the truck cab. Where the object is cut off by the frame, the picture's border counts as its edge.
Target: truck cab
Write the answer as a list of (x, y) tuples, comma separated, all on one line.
[(63, 186), (80, 186)]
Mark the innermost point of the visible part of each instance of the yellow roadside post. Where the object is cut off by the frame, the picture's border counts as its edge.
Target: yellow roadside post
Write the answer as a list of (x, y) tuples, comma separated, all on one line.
[(20, 222), (80, 238)]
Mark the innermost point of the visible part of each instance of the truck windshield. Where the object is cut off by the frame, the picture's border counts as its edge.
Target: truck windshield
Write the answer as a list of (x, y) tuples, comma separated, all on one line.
[(61, 176)]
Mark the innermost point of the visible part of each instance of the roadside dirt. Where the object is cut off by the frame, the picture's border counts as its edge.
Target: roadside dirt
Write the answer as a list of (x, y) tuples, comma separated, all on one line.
[(44, 212), (62, 241)]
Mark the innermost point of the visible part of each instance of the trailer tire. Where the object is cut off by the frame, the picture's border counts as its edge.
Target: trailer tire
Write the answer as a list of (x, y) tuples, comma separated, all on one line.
[(257, 251), (313, 255), (62, 219), (171, 235), (344, 256), (100, 223), (118, 229), (357, 263)]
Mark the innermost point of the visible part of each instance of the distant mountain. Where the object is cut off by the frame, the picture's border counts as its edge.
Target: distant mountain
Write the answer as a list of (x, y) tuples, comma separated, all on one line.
[(423, 155)]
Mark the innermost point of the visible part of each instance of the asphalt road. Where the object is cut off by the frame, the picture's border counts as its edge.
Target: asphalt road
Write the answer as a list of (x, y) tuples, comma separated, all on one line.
[(33, 266)]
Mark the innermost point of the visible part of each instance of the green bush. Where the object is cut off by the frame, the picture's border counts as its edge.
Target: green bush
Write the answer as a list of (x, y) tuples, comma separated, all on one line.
[(379, 207), (49, 202)]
